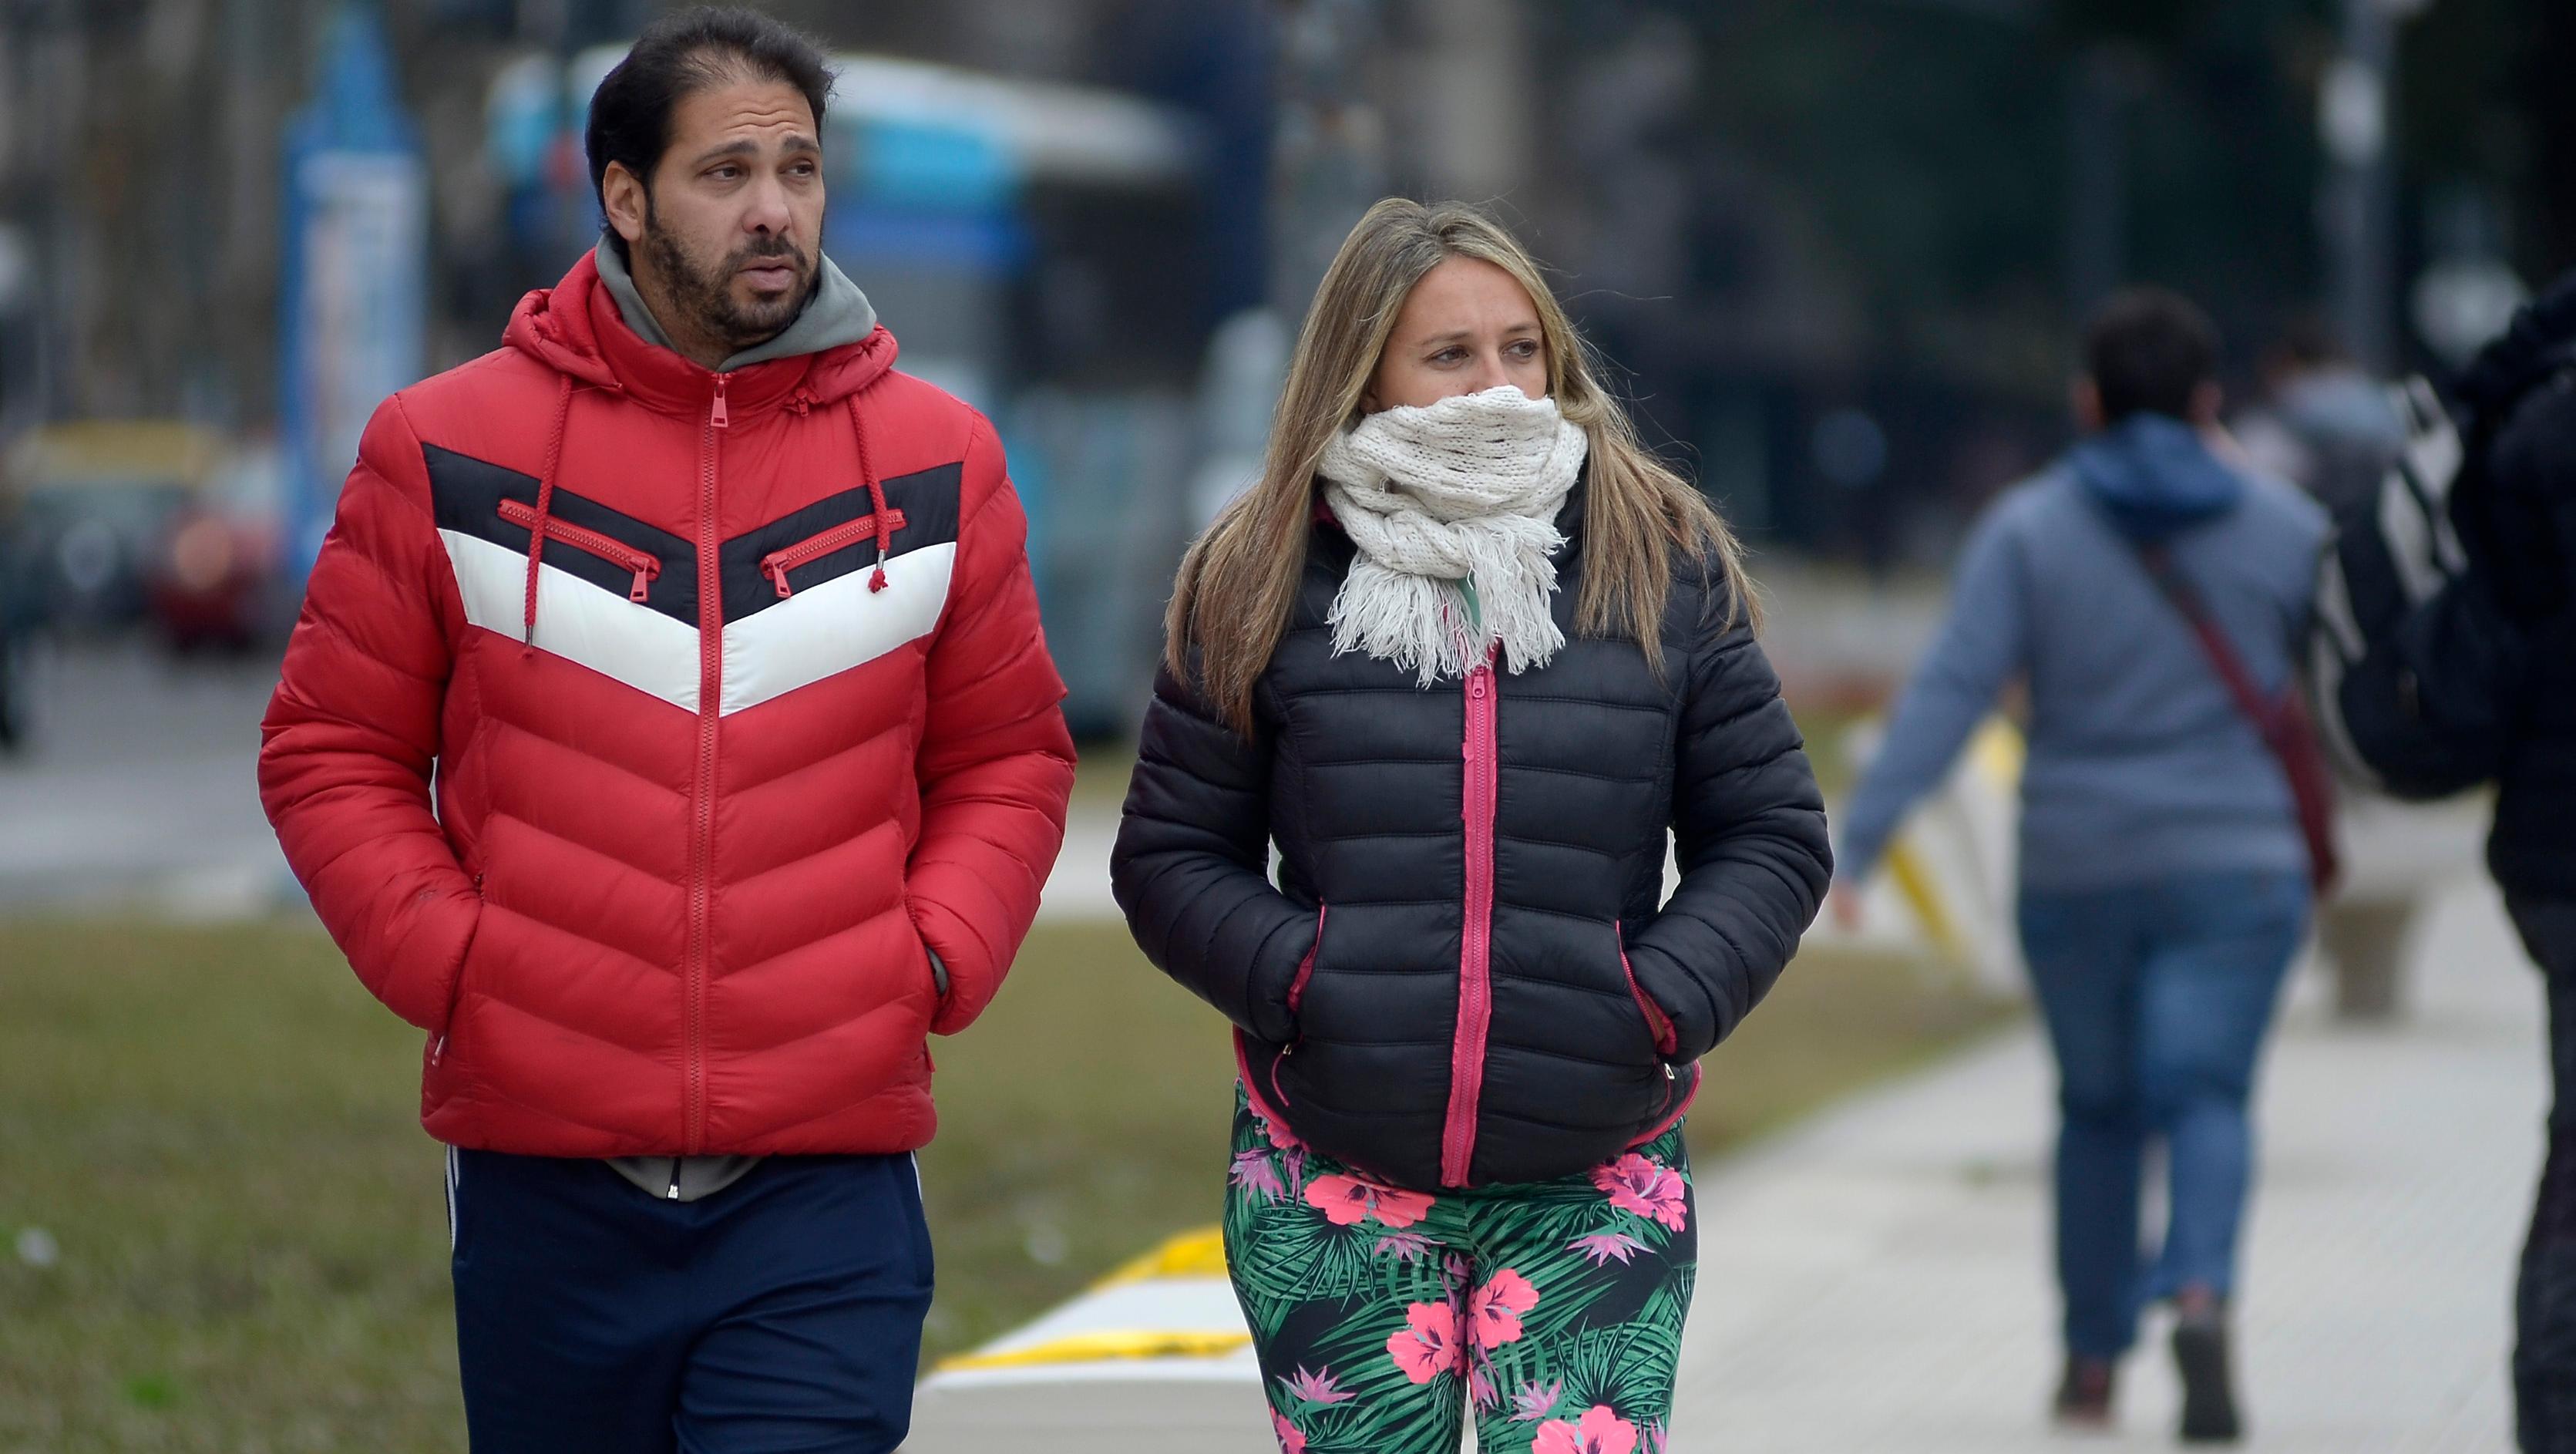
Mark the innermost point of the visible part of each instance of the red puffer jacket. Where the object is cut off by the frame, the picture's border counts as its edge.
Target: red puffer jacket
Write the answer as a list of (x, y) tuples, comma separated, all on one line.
[(738, 705)]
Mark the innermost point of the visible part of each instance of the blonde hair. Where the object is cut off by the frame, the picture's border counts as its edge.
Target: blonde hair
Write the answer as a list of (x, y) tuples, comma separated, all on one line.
[(1238, 583)]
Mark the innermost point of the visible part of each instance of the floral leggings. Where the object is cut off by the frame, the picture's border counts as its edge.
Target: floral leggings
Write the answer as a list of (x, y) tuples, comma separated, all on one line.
[(1554, 1308)]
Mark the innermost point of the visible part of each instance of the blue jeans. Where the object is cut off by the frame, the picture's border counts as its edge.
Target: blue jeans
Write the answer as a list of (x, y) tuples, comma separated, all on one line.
[(2157, 996)]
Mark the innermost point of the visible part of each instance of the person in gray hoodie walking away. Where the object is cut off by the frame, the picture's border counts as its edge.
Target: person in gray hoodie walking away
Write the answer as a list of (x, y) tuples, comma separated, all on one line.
[(2165, 879)]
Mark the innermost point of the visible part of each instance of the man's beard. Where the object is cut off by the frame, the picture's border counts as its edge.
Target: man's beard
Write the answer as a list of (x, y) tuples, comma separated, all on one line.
[(705, 295)]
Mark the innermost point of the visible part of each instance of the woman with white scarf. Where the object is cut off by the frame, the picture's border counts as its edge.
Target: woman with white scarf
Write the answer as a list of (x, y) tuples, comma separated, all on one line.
[(1471, 660)]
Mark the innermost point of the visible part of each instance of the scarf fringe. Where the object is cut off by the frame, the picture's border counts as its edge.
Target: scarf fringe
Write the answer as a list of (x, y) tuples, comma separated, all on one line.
[(1466, 489)]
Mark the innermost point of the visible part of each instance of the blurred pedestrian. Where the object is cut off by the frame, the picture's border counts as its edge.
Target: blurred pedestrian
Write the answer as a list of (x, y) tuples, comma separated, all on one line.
[(669, 734), (2324, 424), (2148, 595), (1470, 658), (2477, 683)]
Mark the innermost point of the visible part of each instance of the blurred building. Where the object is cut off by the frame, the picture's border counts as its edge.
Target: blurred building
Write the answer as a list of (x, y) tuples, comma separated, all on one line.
[(1836, 245)]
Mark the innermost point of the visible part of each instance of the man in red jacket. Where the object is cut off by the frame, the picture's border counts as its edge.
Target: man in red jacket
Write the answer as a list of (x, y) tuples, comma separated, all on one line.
[(670, 735)]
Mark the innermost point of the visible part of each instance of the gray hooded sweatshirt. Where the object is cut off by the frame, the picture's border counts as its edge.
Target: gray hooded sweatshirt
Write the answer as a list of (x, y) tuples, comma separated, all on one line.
[(2141, 765)]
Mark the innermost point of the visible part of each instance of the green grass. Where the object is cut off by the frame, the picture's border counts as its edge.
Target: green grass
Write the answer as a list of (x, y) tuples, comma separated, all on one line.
[(216, 1126)]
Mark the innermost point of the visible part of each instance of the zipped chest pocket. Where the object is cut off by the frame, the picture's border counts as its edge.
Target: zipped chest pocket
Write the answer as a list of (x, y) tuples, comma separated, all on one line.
[(778, 563), (643, 564)]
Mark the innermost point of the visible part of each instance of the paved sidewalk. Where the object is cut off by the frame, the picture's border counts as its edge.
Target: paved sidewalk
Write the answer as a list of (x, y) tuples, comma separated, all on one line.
[(1879, 1279)]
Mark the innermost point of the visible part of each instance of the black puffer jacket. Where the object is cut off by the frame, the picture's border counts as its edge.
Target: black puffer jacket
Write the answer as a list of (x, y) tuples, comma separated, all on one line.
[(1464, 976)]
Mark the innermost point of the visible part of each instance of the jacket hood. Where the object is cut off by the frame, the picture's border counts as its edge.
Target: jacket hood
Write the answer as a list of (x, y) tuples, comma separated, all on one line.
[(2155, 476), (580, 327)]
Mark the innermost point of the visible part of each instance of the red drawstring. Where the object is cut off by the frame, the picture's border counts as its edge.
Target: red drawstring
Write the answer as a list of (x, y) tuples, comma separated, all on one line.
[(876, 497), (545, 502)]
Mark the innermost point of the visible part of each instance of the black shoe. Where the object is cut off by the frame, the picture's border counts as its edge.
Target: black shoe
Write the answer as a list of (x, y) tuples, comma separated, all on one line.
[(2208, 1398), (2084, 1394)]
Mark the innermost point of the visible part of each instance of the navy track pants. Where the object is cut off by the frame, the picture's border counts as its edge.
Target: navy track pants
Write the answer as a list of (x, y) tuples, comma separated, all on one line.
[(781, 1314)]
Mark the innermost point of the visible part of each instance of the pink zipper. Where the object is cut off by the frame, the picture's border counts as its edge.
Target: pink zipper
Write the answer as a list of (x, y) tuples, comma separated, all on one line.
[(1666, 1041), (1297, 996), (1475, 955), (1671, 1117), (617, 552), (1252, 1088), (778, 563), (1306, 966)]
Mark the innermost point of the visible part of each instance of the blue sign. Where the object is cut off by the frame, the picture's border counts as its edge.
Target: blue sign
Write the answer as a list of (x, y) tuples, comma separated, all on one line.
[(353, 285)]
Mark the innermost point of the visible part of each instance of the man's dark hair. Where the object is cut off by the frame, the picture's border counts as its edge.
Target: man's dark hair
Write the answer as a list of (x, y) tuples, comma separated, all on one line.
[(2309, 342), (676, 57), (2148, 351)]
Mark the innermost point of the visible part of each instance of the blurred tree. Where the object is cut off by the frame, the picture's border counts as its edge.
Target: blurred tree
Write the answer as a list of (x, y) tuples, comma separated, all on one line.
[(2486, 105), (2147, 22), (1903, 205)]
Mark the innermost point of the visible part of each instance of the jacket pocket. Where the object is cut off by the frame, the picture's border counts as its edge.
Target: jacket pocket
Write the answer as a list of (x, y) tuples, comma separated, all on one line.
[(643, 564), (1306, 966), (778, 563), (1296, 999), (1658, 1024), (456, 988)]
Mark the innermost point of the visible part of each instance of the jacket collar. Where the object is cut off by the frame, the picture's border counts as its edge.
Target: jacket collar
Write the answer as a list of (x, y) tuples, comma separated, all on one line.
[(577, 328), (838, 313)]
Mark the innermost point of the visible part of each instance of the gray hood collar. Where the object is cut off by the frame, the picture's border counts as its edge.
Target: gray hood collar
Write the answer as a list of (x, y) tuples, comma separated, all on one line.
[(838, 313)]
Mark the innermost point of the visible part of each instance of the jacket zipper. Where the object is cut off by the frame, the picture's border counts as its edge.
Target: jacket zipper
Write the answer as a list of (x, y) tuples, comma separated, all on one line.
[(778, 563), (1661, 1024), (1306, 966), (1296, 997), (647, 569), (1482, 781), (693, 1091)]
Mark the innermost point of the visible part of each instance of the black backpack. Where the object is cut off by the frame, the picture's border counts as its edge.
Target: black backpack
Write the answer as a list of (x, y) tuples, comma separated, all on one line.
[(2393, 550)]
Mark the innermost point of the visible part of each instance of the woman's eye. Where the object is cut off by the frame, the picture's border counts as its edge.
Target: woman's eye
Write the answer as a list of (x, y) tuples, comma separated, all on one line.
[(1525, 350), (1449, 355)]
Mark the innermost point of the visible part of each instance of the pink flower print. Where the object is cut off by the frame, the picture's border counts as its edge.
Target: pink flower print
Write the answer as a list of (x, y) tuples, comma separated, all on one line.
[(1399, 1208), (1409, 1246), (1294, 1161), (1601, 1432), (1279, 1135), (1480, 1385), (1605, 1247), (1344, 1200), (1534, 1403), (1292, 1440), (1254, 1173), (1455, 1270), (1645, 1187), (1655, 1435), (1427, 1345), (1494, 1311), (1316, 1388)]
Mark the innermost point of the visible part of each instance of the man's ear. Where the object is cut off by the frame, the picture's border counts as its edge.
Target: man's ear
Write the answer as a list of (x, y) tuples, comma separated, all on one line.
[(623, 198)]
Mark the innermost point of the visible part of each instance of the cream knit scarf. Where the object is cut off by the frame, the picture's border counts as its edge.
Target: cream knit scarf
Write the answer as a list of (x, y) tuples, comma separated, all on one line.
[(1464, 490)]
